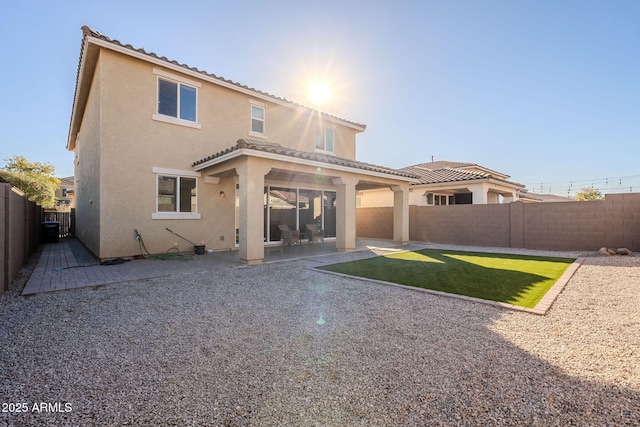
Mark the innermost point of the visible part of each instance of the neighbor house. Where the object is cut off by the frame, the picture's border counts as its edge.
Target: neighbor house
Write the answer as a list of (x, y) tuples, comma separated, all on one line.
[(65, 194), (526, 196), (160, 145), (449, 183)]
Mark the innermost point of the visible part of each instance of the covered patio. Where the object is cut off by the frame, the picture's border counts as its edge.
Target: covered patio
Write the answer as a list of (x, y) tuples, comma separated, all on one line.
[(283, 186)]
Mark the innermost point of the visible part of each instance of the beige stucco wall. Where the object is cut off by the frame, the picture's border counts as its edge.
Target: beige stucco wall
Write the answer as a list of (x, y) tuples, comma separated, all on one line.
[(131, 144), (87, 166)]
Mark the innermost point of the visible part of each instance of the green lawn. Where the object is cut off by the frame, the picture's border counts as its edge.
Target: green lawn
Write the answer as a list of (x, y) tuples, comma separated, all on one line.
[(515, 279)]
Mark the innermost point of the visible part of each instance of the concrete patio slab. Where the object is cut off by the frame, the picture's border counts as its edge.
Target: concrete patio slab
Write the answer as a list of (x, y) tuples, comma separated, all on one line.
[(69, 265)]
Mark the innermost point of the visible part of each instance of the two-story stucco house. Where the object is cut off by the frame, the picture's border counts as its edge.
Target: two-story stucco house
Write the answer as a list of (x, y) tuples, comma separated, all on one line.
[(159, 145)]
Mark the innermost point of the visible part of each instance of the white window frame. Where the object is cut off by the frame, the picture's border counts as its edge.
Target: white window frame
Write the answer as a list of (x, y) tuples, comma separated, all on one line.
[(439, 196), (261, 105), (179, 80), (177, 173), (325, 129)]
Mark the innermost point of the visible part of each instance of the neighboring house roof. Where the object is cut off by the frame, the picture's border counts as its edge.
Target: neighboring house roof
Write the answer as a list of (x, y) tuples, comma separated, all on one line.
[(80, 96), (545, 197), (430, 176), (445, 164), (445, 172), (271, 148), (66, 181)]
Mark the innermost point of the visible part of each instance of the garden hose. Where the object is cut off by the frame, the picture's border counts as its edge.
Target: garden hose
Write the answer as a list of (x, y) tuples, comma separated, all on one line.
[(171, 254)]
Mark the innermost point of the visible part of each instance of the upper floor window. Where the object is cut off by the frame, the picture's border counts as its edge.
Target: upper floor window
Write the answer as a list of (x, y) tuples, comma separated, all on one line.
[(177, 99), (257, 119), (324, 139)]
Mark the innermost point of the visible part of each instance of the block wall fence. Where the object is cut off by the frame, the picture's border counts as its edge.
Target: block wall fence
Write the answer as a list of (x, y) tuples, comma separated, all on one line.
[(20, 222), (564, 226)]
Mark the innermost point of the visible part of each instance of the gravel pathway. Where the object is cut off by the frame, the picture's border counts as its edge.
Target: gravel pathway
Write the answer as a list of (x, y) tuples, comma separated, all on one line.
[(280, 344)]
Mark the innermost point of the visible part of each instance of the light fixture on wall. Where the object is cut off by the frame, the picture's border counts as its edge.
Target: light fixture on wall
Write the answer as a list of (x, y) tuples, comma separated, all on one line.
[(221, 195)]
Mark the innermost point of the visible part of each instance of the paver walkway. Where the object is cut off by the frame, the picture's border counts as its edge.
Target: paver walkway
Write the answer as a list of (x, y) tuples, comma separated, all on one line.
[(69, 265)]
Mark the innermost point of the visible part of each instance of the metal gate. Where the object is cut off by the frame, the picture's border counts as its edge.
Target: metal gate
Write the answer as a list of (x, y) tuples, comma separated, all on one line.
[(64, 219)]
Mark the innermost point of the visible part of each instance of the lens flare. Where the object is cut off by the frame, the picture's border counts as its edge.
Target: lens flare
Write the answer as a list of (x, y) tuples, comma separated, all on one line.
[(319, 93)]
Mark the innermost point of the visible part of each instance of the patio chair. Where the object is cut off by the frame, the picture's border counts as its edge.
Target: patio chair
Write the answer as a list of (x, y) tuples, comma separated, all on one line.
[(313, 234), (288, 236)]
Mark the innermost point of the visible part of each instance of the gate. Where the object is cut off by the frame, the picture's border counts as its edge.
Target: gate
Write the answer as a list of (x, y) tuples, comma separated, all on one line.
[(64, 219)]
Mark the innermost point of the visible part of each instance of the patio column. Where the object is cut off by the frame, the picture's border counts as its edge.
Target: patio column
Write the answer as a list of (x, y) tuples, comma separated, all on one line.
[(400, 214), (480, 196), (345, 213), (251, 172)]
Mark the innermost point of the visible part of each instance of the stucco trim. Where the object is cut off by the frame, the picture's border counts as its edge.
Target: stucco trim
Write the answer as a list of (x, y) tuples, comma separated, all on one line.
[(176, 77), (174, 121), (168, 171), (175, 215)]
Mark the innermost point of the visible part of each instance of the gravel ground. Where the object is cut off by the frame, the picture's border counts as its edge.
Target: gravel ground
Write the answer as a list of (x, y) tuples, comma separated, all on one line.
[(281, 344)]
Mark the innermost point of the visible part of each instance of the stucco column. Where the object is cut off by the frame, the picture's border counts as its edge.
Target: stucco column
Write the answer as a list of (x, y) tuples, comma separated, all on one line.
[(345, 213), (251, 174), (512, 197), (480, 196), (400, 213)]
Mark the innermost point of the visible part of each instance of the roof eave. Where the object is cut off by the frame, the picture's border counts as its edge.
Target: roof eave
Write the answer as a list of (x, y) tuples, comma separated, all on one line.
[(218, 81), (486, 170), (288, 159), (77, 111)]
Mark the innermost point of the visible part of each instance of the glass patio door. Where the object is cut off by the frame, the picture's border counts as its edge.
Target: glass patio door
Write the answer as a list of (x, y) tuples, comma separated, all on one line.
[(296, 208)]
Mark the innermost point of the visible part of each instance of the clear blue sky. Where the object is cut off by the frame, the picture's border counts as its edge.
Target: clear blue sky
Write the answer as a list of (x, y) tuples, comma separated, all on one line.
[(547, 91)]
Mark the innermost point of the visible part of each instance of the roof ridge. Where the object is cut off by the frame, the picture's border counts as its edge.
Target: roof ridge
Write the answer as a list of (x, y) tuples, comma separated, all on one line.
[(90, 32)]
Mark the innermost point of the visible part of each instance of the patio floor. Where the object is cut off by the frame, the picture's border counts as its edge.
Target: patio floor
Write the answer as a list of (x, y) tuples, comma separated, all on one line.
[(69, 265)]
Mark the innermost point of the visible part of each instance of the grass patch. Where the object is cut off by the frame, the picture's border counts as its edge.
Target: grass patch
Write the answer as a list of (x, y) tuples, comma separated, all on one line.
[(515, 279)]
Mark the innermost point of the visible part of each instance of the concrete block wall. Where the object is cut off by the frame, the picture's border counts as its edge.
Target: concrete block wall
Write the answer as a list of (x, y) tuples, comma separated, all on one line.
[(612, 222), (4, 204), (375, 223), (478, 225), (20, 222)]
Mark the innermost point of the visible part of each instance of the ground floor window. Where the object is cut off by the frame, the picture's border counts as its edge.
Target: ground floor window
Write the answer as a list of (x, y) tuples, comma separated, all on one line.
[(443, 199), (439, 199), (176, 194)]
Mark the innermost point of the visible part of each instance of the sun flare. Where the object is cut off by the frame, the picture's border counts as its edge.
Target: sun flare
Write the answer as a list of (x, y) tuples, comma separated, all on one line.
[(319, 93)]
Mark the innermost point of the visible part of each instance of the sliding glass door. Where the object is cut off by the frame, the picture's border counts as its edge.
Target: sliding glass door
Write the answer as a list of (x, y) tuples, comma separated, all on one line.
[(297, 207)]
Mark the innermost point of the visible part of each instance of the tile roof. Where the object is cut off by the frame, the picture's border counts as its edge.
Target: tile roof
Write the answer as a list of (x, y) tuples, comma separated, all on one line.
[(443, 171), (444, 164), (89, 32), (546, 197), (447, 174), (274, 148)]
